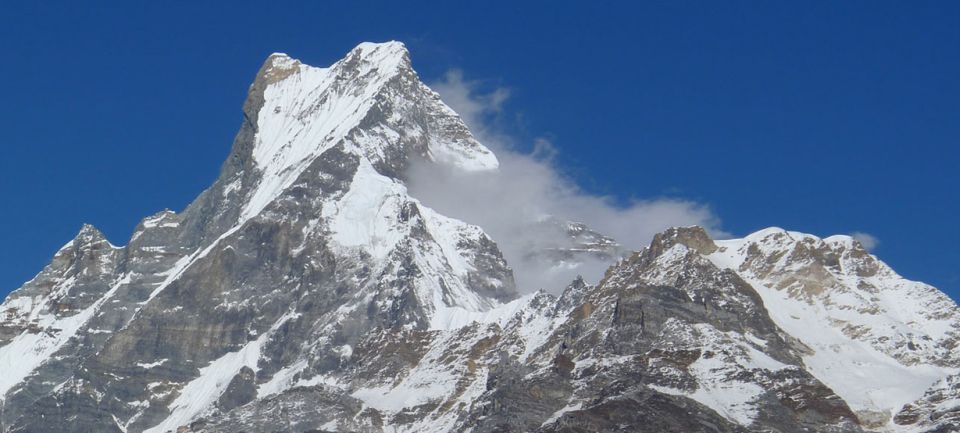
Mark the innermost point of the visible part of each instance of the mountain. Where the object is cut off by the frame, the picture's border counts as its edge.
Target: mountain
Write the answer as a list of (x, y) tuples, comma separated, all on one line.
[(308, 291)]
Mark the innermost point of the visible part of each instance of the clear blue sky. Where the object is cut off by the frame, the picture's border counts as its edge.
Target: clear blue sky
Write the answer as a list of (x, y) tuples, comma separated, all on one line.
[(823, 117)]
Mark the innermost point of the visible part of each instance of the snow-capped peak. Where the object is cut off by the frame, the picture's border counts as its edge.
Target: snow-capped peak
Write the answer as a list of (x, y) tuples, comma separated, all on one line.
[(307, 287), (88, 235), (876, 338), (279, 62), (371, 103)]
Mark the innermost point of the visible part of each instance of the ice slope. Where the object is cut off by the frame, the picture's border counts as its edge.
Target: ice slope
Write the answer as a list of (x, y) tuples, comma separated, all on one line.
[(201, 393), (27, 351), (878, 340), (312, 109), (47, 329)]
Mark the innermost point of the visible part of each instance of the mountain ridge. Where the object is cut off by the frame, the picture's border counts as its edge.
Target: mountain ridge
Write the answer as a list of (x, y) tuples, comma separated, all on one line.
[(307, 290)]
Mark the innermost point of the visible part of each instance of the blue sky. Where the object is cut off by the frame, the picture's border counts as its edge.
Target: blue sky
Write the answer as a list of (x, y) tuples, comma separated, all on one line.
[(823, 117)]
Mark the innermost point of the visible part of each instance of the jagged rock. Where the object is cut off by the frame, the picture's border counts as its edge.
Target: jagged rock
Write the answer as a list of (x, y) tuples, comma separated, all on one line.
[(307, 291)]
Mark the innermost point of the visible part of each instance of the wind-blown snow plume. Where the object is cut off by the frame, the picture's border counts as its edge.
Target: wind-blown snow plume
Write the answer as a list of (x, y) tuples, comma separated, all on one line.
[(868, 241), (528, 188)]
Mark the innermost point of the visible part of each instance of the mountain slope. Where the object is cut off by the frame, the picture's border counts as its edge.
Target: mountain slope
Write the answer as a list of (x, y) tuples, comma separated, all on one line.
[(878, 339), (308, 211), (307, 290)]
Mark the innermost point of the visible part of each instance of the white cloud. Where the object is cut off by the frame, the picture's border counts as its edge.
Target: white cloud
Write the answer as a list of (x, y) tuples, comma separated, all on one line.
[(866, 239), (473, 107), (528, 187)]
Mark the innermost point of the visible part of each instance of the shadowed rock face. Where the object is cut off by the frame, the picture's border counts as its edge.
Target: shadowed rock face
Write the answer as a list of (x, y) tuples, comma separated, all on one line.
[(284, 259), (307, 291)]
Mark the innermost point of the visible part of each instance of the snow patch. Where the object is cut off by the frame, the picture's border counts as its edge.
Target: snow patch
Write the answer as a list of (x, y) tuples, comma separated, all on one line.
[(200, 394), (855, 324)]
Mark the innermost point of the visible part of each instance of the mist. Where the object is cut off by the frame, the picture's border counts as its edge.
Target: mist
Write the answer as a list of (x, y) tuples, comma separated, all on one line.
[(513, 203)]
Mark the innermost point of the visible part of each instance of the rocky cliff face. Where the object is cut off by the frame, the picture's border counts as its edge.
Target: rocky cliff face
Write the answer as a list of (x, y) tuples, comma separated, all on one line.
[(306, 291)]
